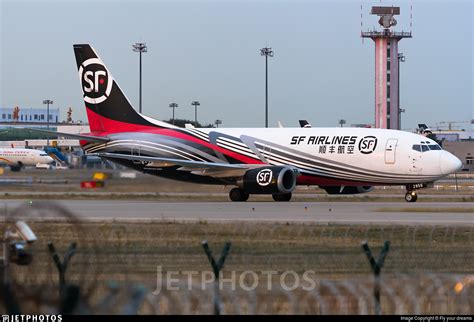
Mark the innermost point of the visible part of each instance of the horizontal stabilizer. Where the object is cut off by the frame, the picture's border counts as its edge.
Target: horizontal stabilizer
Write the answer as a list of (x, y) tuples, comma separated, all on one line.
[(89, 138)]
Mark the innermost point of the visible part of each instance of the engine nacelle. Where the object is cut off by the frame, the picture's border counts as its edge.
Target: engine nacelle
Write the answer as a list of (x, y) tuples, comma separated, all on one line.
[(269, 180), (346, 190)]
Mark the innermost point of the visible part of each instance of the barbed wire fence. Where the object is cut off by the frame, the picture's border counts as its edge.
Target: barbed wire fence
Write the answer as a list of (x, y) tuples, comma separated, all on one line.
[(113, 269)]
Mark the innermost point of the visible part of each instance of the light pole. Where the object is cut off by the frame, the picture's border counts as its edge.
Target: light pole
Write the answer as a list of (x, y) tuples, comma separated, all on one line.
[(400, 111), (401, 59), (217, 122), (140, 48), (173, 106), (267, 52), (47, 103), (195, 104)]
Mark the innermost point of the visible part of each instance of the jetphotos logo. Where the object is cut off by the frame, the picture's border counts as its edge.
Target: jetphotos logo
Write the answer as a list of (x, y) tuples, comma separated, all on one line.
[(31, 318), (232, 280), (264, 177), (96, 81), (367, 144)]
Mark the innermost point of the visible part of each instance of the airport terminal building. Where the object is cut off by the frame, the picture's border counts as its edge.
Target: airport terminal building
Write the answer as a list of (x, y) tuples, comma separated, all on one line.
[(464, 150), (459, 143), (28, 115)]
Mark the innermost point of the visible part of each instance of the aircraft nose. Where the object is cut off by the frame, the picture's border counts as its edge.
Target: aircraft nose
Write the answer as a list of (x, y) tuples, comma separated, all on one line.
[(449, 163)]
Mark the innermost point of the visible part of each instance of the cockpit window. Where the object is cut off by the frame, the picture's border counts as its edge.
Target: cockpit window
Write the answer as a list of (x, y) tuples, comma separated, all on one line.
[(425, 147), (43, 155)]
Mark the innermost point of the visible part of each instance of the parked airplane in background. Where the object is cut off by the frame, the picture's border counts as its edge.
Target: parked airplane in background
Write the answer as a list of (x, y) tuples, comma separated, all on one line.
[(304, 124), (256, 160), (18, 158)]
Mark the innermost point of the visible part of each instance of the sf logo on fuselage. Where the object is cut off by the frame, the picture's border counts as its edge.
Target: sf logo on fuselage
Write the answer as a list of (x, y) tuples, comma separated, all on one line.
[(367, 144), (264, 177), (95, 80)]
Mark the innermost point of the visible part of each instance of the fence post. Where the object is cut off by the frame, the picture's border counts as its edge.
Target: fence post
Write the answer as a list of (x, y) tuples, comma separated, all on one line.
[(62, 266), (376, 269), (216, 268)]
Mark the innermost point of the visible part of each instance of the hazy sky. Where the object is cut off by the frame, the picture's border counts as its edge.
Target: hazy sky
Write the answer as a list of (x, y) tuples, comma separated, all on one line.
[(209, 51)]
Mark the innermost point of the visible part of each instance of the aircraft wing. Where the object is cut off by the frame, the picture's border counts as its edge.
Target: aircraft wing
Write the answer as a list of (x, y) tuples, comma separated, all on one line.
[(218, 170), (89, 138)]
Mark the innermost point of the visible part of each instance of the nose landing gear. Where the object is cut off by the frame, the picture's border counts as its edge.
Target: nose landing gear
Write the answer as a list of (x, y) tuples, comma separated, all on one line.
[(411, 196)]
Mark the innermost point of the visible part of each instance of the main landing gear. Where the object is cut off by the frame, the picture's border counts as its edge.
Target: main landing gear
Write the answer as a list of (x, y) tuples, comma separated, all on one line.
[(411, 196), (282, 196), (237, 194)]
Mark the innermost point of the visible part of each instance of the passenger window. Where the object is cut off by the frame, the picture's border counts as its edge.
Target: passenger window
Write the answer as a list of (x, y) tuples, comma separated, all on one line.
[(424, 148), (417, 147)]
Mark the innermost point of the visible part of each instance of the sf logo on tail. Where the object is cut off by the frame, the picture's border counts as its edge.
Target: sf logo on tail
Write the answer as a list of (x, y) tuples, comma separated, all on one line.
[(93, 80), (96, 81)]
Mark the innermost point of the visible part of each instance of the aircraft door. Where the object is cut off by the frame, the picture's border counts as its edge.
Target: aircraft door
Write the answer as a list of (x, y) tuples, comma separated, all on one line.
[(266, 152), (390, 151), (135, 150)]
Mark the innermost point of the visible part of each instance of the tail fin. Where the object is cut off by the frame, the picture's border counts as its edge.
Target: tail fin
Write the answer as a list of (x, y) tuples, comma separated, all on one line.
[(108, 109)]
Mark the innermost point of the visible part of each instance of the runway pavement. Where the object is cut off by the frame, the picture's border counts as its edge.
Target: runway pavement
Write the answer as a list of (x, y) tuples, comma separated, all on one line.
[(314, 212)]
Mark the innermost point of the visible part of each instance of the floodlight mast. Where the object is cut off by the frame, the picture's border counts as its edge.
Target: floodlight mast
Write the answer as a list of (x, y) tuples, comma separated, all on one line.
[(267, 52), (195, 104), (140, 48), (47, 103), (173, 106)]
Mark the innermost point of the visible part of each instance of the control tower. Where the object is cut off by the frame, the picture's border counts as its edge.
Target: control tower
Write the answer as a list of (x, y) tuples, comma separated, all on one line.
[(387, 58)]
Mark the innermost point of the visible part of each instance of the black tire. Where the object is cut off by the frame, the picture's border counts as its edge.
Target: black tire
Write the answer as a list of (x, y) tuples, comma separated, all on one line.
[(282, 196), (411, 196), (237, 194)]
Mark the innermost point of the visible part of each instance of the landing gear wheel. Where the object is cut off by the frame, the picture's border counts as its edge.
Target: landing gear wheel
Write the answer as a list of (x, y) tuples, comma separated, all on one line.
[(282, 197), (237, 194), (411, 196)]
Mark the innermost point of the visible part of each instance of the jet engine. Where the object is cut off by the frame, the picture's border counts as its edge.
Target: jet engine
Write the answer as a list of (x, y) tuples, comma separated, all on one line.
[(346, 190), (269, 180)]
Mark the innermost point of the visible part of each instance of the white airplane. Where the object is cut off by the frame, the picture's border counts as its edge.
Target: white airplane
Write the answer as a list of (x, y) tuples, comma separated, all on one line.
[(269, 161), (18, 158)]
